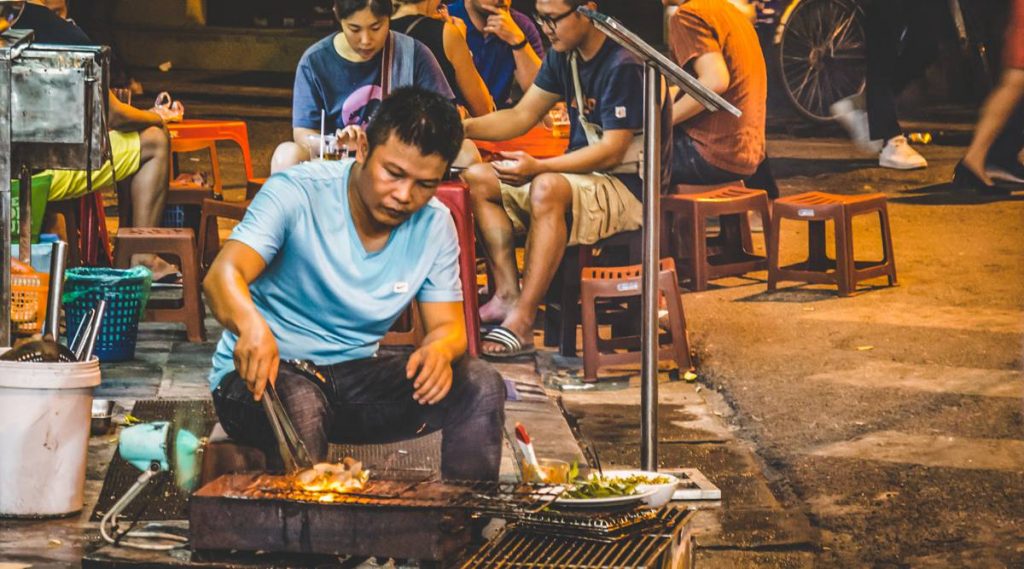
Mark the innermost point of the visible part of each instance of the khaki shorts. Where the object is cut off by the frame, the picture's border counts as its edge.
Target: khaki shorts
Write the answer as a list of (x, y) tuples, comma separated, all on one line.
[(126, 148), (601, 207)]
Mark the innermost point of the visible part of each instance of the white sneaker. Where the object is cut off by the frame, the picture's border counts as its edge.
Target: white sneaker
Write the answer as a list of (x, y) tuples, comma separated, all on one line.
[(855, 120), (899, 155)]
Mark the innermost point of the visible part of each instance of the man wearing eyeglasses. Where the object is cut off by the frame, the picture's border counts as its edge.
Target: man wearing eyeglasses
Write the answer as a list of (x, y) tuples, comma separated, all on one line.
[(506, 45), (590, 193)]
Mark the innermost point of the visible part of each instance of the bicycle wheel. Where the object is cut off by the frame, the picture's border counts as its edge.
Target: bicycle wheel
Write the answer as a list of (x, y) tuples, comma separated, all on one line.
[(822, 55)]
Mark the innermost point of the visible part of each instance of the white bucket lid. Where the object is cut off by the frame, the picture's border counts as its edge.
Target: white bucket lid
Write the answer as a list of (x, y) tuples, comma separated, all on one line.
[(30, 375)]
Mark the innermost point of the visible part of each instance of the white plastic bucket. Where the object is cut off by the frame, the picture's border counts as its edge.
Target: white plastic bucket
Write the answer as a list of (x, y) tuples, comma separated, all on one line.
[(44, 436)]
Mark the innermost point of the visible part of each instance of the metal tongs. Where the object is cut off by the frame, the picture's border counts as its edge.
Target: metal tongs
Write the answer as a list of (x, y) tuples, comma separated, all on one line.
[(293, 452)]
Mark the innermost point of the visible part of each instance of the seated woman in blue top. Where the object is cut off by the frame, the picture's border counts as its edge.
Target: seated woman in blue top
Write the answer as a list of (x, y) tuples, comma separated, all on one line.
[(345, 75), (328, 256)]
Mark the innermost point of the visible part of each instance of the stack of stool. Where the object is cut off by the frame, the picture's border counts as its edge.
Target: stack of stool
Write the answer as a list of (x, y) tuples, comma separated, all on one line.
[(179, 243), (624, 282), (684, 232), (816, 208)]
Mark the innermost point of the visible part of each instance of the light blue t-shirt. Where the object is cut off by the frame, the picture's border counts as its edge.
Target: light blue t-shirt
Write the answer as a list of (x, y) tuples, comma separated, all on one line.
[(324, 297)]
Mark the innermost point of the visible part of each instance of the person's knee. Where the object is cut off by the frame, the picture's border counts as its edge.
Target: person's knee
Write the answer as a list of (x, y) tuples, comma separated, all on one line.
[(549, 193), (155, 142), (486, 389), (286, 155), (481, 180)]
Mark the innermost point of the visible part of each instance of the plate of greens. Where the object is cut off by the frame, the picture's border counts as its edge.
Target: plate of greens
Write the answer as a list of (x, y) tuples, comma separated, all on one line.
[(613, 488)]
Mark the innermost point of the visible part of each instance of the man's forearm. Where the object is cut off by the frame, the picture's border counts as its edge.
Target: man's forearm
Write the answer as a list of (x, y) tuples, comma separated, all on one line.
[(594, 158), (450, 338), (499, 125), (527, 65), (685, 109)]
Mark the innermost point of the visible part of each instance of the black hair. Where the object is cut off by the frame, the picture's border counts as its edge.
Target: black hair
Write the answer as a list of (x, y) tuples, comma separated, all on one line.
[(345, 8), (420, 118)]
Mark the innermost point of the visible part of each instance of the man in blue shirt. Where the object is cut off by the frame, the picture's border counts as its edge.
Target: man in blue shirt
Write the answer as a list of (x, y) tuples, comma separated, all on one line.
[(505, 44), (328, 256), (595, 186)]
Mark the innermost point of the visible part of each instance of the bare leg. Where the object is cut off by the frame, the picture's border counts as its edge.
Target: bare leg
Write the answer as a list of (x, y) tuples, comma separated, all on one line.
[(994, 114), (150, 184), (148, 187), (286, 155), (550, 201), (496, 232)]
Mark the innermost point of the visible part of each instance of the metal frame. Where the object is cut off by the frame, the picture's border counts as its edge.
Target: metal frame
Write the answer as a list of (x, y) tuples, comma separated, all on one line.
[(12, 42), (656, 66)]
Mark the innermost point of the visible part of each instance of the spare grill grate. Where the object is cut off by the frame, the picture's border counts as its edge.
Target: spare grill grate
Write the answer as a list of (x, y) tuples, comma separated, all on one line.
[(516, 548), (604, 527)]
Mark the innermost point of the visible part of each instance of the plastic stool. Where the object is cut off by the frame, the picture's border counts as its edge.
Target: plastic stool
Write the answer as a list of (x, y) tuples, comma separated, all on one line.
[(624, 282), (179, 243), (684, 233), (214, 209), (816, 208), (562, 301)]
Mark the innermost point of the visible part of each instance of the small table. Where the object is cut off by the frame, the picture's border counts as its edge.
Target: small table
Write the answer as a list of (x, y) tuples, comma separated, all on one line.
[(537, 142), (186, 135)]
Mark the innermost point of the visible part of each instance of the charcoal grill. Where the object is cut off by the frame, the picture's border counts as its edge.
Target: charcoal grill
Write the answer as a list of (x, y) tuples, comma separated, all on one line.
[(422, 519), (664, 543)]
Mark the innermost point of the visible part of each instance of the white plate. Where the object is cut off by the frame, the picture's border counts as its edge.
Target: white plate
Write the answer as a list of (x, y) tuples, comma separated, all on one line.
[(604, 502)]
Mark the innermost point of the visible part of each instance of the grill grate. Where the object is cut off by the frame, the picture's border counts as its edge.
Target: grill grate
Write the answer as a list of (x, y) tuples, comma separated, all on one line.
[(593, 526), (485, 498), (516, 548)]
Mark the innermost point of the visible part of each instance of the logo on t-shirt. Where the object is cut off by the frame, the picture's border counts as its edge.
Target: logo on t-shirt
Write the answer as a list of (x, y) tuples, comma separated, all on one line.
[(620, 112), (361, 105), (401, 287)]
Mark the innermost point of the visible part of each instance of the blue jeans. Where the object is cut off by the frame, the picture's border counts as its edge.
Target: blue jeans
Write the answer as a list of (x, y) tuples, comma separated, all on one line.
[(370, 401), (689, 167)]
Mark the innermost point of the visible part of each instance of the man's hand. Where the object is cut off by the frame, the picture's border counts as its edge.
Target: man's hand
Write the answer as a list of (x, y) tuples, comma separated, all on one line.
[(501, 24), (517, 167), (430, 370), (256, 357)]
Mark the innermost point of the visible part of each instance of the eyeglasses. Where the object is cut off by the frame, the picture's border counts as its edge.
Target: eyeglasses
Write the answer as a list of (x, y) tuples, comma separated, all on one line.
[(551, 22)]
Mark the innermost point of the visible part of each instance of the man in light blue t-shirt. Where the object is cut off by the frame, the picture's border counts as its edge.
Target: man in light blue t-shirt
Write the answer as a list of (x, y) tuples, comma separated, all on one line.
[(328, 256)]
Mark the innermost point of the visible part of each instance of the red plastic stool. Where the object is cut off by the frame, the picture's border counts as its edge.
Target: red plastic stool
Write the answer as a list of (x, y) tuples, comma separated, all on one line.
[(684, 232), (844, 271), (178, 243), (600, 283)]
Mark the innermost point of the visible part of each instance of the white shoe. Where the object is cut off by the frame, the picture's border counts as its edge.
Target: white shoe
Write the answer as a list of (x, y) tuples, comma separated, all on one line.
[(899, 155), (855, 121)]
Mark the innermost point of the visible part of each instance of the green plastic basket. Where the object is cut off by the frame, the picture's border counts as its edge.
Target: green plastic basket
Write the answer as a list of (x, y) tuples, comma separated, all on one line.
[(126, 292)]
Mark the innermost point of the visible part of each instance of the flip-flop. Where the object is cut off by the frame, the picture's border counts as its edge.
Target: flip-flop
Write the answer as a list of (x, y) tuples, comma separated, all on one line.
[(170, 280), (514, 348)]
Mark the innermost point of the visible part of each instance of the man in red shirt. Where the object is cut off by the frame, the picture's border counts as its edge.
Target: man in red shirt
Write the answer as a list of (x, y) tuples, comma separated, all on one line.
[(716, 42)]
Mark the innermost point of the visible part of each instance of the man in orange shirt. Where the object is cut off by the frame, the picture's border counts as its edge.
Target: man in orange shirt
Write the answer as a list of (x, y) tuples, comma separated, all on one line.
[(716, 42)]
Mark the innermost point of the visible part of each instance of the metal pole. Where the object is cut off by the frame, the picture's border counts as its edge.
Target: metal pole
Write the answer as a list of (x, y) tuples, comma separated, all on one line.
[(25, 214), (5, 198), (651, 259)]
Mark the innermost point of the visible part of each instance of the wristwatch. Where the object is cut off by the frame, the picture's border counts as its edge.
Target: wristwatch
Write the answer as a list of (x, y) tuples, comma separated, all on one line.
[(521, 44)]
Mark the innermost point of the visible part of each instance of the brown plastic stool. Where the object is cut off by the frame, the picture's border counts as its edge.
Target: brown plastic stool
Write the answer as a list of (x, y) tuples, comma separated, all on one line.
[(178, 243), (684, 232), (624, 282), (816, 208), (217, 208)]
